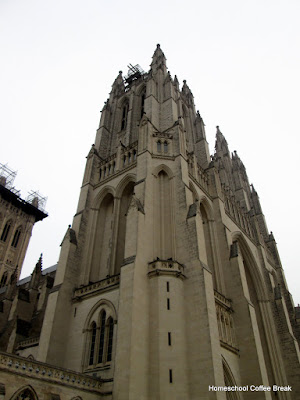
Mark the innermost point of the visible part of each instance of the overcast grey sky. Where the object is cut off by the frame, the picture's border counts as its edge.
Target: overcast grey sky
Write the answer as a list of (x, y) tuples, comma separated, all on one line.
[(240, 58)]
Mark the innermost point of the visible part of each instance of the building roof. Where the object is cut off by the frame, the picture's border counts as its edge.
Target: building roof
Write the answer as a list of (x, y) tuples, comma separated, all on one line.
[(25, 206)]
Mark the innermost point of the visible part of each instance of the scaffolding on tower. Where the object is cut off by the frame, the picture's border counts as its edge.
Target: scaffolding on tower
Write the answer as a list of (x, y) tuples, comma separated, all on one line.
[(134, 72), (7, 177), (37, 200)]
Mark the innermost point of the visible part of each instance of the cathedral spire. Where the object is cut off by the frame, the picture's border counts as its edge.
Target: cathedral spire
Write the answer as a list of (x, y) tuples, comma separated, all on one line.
[(118, 86), (159, 60), (221, 143)]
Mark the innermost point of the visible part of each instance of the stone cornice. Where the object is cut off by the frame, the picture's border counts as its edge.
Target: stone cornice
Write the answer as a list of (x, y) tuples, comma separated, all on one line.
[(166, 267), (97, 287), (46, 372)]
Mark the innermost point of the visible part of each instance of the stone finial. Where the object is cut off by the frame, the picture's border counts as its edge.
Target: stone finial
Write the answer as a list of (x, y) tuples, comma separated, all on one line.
[(39, 264), (118, 86), (158, 60)]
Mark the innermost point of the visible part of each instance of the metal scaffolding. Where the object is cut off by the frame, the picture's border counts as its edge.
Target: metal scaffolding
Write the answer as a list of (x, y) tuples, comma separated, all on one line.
[(37, 200), (7, 176)]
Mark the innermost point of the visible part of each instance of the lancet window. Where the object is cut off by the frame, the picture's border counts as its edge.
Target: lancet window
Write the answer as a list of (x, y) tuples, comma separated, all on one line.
[(16, 238), (143, 103), (101, 340), (5, 231), (124, 116)]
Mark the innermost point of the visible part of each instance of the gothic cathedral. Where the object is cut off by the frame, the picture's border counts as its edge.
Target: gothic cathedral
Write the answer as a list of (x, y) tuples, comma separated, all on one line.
[(169, 285)]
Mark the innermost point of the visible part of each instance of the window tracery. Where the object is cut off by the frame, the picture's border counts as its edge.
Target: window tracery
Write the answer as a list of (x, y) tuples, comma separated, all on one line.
[(101, 340)]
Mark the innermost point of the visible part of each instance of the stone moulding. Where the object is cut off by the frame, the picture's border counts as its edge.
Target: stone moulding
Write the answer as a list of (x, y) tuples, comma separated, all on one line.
[(35, 369), (100, 286), (166, 267), (29, 343)]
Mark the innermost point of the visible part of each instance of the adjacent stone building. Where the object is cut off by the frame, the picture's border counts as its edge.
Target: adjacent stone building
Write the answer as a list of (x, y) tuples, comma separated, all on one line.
[(169, 283)]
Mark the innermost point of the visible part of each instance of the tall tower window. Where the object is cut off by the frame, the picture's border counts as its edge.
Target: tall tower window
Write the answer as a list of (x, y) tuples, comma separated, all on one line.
[(102, 336), (143, 104), (124, 116), (163, 220), (16, 238), (93, 342), (159, 146), (5, 231), (100, 340), (110, 338), (165, 147)]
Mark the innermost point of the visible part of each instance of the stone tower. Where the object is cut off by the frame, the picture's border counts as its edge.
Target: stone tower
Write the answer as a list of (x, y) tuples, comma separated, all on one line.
[(17, 218), (169, 283)]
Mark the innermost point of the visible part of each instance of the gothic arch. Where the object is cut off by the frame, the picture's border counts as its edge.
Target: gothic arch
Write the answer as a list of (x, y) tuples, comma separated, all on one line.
[(165, 168), (208, 208), (123, 113), (229, 380), (16, 236), (125, 191), (108, 305), (100, 196), (258, 296), (99, 334), (123, 183), (26, 392), (163, 211), (194, 192), (6, 232), (102, 240), (251, 264)]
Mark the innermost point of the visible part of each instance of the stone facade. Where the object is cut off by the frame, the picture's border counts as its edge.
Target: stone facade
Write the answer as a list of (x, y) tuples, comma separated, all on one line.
[(168, 281)]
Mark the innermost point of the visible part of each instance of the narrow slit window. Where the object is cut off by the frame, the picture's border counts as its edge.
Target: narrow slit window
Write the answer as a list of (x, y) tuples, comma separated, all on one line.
[(5, 232), (93, 341), (168, 304), (143, 104), (165, 147), (102, 336), (110, 339), (168, 286), (16, 238), (170, 376), (169, 339), (124, 117)]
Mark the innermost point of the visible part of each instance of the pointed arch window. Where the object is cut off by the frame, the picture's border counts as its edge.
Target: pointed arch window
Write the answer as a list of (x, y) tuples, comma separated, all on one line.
[(100, 340), (16, 238), (143, 103), (159, 146), (165, 147), (124, 116), (5, 231), (26, 393)]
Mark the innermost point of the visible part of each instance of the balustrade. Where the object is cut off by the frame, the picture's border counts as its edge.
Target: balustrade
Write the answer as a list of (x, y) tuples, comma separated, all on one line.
[(112, 165)]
